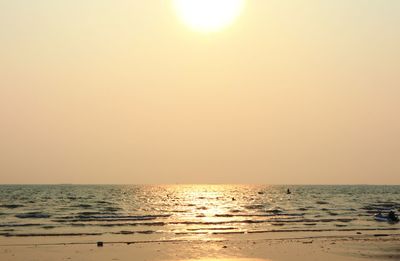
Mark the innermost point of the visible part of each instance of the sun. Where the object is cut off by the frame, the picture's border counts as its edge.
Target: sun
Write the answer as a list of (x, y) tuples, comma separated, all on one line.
[(208, 15)]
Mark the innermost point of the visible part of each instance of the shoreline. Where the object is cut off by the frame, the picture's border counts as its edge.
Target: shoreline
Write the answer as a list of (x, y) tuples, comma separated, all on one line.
[(56, 239)]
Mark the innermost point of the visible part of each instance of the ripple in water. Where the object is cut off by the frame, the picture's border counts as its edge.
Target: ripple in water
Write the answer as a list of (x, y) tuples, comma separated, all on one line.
[(171, 211)]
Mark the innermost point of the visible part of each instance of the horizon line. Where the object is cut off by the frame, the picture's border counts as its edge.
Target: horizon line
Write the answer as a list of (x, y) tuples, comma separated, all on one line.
[(169, 184)]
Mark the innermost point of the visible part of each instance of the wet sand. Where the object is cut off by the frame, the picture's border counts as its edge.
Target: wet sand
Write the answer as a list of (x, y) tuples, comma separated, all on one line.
[(360, 247)]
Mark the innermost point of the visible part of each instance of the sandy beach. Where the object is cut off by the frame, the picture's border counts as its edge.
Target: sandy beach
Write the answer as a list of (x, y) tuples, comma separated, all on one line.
[(347, 248)]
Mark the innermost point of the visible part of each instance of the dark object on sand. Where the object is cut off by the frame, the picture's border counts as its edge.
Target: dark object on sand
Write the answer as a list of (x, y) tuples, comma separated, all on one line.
[(99, 244), (233, 199), (391, 217), (288, 192), (381, 235)]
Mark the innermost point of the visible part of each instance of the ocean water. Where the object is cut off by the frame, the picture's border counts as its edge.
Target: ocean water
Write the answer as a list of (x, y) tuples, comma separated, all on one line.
[(190, 211)]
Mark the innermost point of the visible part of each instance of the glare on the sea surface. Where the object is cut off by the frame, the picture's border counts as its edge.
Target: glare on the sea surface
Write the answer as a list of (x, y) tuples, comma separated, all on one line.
[(204, 198), (227, 259), (207, 203), (208, 15)]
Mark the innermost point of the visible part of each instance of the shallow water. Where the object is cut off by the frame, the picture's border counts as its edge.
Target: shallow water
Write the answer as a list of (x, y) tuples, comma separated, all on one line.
[(190, 211)]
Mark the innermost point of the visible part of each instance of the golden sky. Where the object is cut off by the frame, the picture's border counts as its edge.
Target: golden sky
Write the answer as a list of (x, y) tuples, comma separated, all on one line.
[(126, 92)]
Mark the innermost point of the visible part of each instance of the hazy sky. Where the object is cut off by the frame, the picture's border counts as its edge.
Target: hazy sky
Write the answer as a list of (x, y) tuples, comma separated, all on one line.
[(96, 91)]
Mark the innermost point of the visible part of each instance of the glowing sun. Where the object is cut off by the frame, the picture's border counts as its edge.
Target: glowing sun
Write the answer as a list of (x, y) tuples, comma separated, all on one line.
[(208, 15)]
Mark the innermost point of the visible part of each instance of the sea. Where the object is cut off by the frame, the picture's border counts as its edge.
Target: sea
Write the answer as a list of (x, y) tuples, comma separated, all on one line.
[(169, 212)]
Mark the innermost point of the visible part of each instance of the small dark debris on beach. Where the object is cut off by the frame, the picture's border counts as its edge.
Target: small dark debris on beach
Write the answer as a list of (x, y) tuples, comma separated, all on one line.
[(100, 244)]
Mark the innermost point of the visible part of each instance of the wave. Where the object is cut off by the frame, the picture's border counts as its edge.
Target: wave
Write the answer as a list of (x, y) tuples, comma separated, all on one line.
[(282, 231), (211, 228), (33, 215), (85, 206), (130, 224), (112, 209), (251, 221), (259, 215), (11, 206), (93, 213), (381, 207), (104, 202), (254, 206), (124, 232), (49, 234), (229, 232), (21, 225), (90, 218), (323, 230), (273, 221)]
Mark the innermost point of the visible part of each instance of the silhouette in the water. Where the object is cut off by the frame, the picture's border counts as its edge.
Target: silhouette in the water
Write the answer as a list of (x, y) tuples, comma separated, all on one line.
[(288, 191), (393, 217)]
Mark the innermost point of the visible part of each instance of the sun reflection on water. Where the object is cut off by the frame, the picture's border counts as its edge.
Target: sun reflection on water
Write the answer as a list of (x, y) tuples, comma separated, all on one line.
[(208, 204), (227, 259), (191, 212)]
